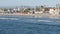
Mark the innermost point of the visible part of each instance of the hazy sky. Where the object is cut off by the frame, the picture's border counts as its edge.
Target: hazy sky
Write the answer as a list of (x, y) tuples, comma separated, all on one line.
[(7, 3)]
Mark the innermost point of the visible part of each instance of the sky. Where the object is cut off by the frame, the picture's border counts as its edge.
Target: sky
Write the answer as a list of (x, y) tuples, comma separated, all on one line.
[(11, 3)]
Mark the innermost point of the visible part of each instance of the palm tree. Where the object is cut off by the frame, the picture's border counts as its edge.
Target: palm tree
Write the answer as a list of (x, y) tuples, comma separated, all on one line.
[(26, 10)]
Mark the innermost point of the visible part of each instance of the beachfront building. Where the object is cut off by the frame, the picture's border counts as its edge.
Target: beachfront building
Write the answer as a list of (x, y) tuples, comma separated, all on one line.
[(51, 11), (14, 10), (57, 11), (7, 11), (18, 9), (54, 11)]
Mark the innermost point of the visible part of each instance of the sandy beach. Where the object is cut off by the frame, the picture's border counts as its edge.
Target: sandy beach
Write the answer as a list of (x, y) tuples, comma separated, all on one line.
[(33, 15)]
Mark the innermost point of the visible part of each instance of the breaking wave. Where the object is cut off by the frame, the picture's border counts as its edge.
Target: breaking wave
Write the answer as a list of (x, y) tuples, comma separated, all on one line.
[(9, 19), (44, 21)]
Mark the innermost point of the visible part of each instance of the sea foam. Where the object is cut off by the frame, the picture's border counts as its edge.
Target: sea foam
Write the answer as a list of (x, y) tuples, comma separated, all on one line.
[(44, 21), (9, 18)]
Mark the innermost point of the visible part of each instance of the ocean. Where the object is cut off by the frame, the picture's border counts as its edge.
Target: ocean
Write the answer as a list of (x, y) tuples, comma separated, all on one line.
[(29, 25)]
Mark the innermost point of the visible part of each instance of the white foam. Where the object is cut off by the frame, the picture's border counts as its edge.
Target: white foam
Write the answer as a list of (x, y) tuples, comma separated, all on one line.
[(8, 18), (44, 21)]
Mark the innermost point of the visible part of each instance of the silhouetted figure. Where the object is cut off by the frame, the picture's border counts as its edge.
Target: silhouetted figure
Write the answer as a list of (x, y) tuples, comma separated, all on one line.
[(33, 12)]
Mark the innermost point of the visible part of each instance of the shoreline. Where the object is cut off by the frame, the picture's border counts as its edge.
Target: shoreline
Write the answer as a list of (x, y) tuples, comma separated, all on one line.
[(33, 15)]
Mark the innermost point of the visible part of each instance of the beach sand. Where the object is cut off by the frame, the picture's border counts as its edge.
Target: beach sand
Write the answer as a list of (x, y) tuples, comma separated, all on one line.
[(33, 15)]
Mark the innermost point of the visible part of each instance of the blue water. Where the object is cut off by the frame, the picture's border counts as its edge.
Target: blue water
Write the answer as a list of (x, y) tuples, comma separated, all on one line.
[(29, 25)]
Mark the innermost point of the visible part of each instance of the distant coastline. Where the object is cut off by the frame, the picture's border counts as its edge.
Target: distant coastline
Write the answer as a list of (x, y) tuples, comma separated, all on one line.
[(39, 11)]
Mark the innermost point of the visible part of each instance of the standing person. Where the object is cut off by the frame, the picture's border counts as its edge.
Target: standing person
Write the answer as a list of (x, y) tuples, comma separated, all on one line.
[(33, 12)]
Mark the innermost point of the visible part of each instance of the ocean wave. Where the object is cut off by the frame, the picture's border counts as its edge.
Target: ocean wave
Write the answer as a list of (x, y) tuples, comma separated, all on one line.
[(9, 19), (44, 21)]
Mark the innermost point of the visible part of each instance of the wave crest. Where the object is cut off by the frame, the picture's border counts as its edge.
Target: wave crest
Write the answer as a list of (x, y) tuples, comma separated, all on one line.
[(44, 21), (8, 18)]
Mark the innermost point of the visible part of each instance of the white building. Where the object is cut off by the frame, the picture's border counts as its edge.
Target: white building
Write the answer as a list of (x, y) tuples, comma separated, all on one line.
[(53, 11)]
